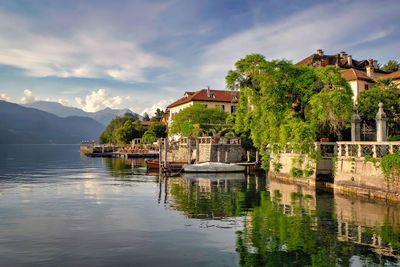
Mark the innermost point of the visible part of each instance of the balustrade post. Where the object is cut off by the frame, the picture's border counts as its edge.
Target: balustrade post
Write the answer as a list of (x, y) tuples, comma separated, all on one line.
[(346, 150), (335, 150), (391, 148), (359, 150), (374, 151), (339, 150)]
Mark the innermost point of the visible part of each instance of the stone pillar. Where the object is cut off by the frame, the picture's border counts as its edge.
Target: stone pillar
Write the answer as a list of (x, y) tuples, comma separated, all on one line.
[(197, 150), (189, 144), (355, 126), (380, 119)]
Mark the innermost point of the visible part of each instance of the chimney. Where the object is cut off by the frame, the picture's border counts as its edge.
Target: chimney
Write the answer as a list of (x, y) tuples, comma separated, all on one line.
[(349, 60), (370, 68), (208, 91), (343, 54), (375, 64), (320, 52)]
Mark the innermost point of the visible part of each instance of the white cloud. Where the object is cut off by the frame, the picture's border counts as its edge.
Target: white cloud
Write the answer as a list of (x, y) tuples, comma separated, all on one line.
[(4, 97), (29, 97), (84, 53), (63, 102), (162, 104), (300, 35), (100, 99)]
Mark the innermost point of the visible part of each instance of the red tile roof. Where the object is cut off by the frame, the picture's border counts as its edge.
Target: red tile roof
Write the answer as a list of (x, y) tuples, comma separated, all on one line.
[(354, 74), (220, 96), (394, 75)]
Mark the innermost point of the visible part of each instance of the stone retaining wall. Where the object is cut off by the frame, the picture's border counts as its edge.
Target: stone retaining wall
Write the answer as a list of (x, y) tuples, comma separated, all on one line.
[(355, 176)]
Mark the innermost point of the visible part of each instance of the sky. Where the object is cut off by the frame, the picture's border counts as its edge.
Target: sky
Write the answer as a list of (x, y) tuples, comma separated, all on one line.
[(144, 55)]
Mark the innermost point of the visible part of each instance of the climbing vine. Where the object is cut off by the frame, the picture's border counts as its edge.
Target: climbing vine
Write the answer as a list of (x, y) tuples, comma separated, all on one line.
[(283, 105)]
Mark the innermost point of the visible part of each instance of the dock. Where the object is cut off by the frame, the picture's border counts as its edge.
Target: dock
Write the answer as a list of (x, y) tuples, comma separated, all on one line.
[(121, 155)]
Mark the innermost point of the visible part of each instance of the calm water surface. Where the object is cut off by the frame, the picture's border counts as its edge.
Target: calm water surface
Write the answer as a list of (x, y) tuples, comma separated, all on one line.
[(59, 208)]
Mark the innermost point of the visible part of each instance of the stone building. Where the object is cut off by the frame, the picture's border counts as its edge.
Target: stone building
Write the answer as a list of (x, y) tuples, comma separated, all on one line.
[(360, 74)]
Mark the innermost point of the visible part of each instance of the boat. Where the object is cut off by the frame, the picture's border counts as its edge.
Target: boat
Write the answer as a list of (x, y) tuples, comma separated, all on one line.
[(155, 165), (213, 167)]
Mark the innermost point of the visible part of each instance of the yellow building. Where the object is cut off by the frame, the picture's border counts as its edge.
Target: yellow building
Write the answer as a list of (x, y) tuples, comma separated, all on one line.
[(227, 100)]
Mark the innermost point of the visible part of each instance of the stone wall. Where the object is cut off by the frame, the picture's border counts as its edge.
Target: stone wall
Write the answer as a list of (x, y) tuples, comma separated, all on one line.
[(286, 160), (229, 153), (355, 176)]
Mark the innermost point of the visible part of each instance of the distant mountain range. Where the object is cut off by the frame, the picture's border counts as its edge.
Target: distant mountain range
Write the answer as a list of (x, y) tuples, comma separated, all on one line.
[(24, 125), (103, 116)]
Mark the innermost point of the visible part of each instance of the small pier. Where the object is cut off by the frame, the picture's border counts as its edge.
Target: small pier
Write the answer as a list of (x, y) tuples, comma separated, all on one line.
[(117, 152)]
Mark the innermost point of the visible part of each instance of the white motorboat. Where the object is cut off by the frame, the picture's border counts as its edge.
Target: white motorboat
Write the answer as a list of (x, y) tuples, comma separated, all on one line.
[(213, 167)]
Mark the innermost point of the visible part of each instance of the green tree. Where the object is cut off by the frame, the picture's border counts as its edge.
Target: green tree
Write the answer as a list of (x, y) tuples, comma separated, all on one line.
[(391, 66), (149, 137), (146, 117), (383, 91), (197, 117), (108, 136), (282, 103), (125, 134), (158, 115), (159, 129)]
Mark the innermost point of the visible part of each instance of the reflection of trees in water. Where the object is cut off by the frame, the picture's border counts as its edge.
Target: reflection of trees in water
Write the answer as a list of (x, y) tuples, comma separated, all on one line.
[(214, 198), (285, 235), (119, 167)]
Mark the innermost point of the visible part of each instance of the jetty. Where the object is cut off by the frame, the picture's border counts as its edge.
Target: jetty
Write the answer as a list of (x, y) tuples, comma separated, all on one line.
[(105, 151)]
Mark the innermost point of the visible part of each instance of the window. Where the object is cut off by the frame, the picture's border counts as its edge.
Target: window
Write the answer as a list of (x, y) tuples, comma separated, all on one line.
[(223, 107), (366, 87), (211, 95), (233, 109)]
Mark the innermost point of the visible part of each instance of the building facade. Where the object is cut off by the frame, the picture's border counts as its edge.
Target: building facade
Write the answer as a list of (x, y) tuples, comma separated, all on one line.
[(360, 74), (227, 100)]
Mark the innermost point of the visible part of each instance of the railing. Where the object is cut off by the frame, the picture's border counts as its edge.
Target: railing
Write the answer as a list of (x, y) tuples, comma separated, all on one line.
[(327, 149), (211, 140), (362, 149)]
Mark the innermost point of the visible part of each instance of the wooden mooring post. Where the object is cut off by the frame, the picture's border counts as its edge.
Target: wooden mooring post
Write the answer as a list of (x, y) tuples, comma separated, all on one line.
[(189, 144)]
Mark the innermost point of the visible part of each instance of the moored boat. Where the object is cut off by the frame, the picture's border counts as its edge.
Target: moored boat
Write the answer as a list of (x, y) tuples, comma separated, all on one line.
[(155, 165), (213, 167)]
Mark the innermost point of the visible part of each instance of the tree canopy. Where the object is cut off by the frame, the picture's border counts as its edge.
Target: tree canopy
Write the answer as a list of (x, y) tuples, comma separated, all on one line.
[(383, 91), (149, 137), (282, 103), (191, 120), (108, 136), (158, 115), (391, 66), (146, 117)]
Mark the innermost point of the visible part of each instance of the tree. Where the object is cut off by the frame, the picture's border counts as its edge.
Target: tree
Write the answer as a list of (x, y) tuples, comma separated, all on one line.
[(383, 91), (108, 136), (159, 129), (149, 137), (146, 117), (125, 134), (391, 66), (282, 103), (191, 120), (158, 115)]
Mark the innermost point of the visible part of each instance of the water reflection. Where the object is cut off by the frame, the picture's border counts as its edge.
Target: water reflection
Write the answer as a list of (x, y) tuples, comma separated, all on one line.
[(122, 167), (293, 225), (280, 223), (215, 196)]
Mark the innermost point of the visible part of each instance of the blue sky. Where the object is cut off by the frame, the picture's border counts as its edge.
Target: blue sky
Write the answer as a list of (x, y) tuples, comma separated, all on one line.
[(145, 54)]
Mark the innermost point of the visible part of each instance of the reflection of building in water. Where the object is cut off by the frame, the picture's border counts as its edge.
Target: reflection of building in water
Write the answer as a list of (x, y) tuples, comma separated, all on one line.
[(213, 196), (368, 223), (293, 196)]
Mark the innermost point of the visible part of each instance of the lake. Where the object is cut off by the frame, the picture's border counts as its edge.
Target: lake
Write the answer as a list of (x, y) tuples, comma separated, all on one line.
[(60, 208)]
